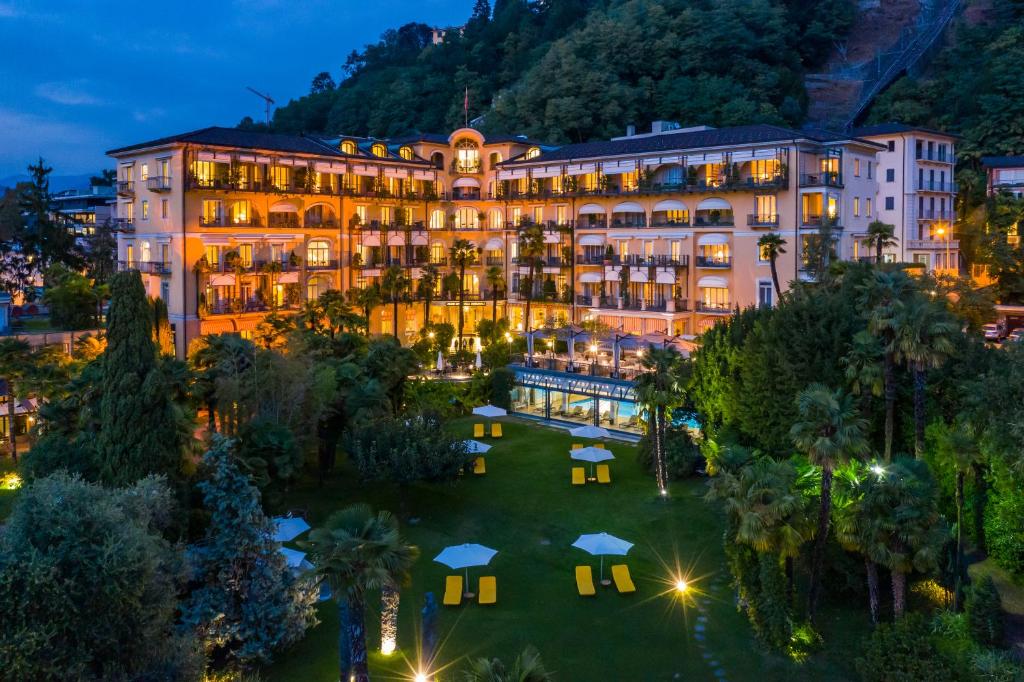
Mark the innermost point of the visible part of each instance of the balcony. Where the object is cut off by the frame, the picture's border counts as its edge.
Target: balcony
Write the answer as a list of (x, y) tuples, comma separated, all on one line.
[(228, 221), (125, 188), (320, 223), (931, 214), (466, 166), (815, 221), (161, 183), (716, 262), (657, 305), (320, 264), (936, 157), (595, 259), (494, 260), (762, 220), (713, 308), (236, 306), (936, 186), (933, 244), (825, 179), (124, 225), (669, 223), (145, 267), (712, 221)]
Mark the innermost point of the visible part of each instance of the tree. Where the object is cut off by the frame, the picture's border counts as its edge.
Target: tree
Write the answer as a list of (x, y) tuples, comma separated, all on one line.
[(495, 277), (425, 287), (527, 667), (985, 618), (366, 299), (660, 388), (101, 253), (141, 428), (880, 236), (88, 585), (15, 360), (864, 369), (47, 235), (829, 433), (771, 244), (355, 551), (73, 300), (531, 248), (923, 339), (904, 650), (462, 253), (218, 361), (245, 604), (394, 285), (322, 82)]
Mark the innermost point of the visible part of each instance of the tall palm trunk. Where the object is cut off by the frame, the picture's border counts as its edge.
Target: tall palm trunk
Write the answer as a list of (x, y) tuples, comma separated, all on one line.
[(958, 559), (462, 300), (494, 304), (919, 396), (211, 416), (980, 497), (344, 642), (357, 639), (878, 251), (889, 380), (872, 571), (775, 277), (818, 558), (659, 447), (394, 314), (899, 593), (10, 421)]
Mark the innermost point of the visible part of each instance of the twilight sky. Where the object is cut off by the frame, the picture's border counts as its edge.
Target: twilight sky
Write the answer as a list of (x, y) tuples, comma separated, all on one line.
[(78, 77)]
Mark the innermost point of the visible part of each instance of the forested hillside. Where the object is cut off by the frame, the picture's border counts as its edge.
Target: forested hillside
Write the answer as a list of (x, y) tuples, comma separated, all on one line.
[(572, 70)]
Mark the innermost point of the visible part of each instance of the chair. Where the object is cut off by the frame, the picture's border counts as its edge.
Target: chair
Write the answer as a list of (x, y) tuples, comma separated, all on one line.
[(599, 446), (453, 590), (604, 474), (585, 581), (479, 466), (579, 476), (478, 430), (495, 430), (623, 581), (488, 590)]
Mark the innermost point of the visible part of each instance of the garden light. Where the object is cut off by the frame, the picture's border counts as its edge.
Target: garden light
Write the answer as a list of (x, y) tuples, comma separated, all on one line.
[(681, 586)]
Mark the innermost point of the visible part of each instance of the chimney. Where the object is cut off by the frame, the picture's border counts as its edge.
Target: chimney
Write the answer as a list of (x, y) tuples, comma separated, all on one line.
[(630, 130)]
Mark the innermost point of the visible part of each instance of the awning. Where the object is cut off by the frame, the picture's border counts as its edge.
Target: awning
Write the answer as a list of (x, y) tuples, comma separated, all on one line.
[(665, 277), (288, 278), (713, 283), (396, 173), (219, 157), (590, 277), (494, 244), (618, 167), (592, 240), (284, 207), (396, 239), (670, 205), (552, 237), (419, 238), (580, 168), (224, 280), (368, 171), (638, 274), (711, 239), (466, 182), (330, 167), (714, 204), (591, 209), (548, 172), (371, 240), (628, 207), (422, 175)]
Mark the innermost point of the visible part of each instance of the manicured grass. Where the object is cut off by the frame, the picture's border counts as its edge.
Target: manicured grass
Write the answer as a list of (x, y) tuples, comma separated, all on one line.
[(525, 508)]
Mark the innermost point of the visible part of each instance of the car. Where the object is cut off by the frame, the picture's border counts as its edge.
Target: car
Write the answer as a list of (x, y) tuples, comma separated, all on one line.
[(1016, 335), (991, 331)]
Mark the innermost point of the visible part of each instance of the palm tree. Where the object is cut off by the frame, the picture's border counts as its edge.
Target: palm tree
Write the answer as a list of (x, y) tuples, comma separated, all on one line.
[(880, 235), (366, 299), (531, 248), (462, 253), (923, 339), (829, 432), (527, 668), (882, 298), (772, 244), (355, 551), (659, 389), (15, 360), (864, 369), (393, 285), (425, 287), (495, 277), (958, 445), (218, 360)]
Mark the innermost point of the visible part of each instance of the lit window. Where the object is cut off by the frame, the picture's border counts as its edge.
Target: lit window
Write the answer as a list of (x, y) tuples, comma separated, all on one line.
[(405, 153), (856, 168), (211, 211), (129, 255), (467, 159), (245, 255), (240, 212), (212, 255), (764, 253), (145, 172), (349, 147), (379, 150), (279, 176), (318, 253), (437, 219), (856, 206), (145, 209), (532, 153), (867, 207), (466, 219)]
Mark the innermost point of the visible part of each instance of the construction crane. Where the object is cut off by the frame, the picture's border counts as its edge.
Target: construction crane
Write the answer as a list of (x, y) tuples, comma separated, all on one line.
[(266, 98)]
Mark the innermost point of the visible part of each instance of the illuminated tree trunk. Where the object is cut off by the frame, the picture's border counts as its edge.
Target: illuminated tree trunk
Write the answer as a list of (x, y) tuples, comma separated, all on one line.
[(389, 599)]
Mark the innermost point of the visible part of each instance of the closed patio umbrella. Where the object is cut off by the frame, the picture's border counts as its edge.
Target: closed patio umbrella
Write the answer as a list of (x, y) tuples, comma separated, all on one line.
[(601, 544), (479, 361), (440, 361), (477, 447)]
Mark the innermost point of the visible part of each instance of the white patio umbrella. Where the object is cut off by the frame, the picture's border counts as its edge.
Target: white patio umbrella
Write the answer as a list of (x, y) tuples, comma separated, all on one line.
[(288, 528), (293, 557), (489, 411), (601, 544), (590, 431), (591, 455), (479, 362), (477, 447), (440, 361), (465, 556)]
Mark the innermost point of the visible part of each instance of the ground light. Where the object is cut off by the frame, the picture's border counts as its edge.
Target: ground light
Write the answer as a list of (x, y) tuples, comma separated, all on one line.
[(681, 586), (877, 469), (420, 677)]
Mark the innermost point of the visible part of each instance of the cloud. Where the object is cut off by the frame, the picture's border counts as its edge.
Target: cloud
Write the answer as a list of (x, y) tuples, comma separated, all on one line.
[(68, 147), (143, 115), (70, 93)]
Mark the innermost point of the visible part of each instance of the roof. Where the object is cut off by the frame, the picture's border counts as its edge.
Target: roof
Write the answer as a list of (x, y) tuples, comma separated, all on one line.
[(246, 139), (678, 141), (894, 128), (1002, 161)]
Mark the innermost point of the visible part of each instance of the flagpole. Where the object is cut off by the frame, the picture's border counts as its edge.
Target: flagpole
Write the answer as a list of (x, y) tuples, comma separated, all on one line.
[(465, 106)]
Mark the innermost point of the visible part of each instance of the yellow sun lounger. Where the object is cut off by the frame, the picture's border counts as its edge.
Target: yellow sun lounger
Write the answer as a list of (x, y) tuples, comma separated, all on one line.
[(453, 590), (599, 446), (478, 430), (623, 582), (488, 590), (577, 446), (495, 430), (585, 581), (579, 476), (479, 466), (604, 474)]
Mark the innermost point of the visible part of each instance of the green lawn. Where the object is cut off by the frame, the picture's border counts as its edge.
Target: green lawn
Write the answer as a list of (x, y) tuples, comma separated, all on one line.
[(525, 508)]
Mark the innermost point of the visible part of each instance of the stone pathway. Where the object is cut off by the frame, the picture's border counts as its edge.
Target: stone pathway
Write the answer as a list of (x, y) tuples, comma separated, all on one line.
[(718, 586)]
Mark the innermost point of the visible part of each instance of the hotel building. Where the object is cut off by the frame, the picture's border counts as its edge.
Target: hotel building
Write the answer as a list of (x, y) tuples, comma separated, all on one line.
[(650, 232)]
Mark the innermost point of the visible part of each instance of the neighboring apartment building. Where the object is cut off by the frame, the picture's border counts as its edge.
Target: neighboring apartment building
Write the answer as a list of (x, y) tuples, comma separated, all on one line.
[(916, 192), (1004, 174), (649, 232), (85, 208)]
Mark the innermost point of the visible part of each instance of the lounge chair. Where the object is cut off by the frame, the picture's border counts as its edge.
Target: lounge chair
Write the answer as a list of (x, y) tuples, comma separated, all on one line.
[(579, 476), (604, 474), (495, 430), (599, 446), (632, 421), (577, 446), (453, 590), (585, 581), (479, 466), (478, 430), (623, 581), (488, 590)]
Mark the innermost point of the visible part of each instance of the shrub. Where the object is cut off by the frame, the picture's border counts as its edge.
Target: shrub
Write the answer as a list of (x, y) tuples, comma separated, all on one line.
[(904, 652), (267, 451), (984, 613), (443, 397), (1004, 530), (682, 456), (502, 382)]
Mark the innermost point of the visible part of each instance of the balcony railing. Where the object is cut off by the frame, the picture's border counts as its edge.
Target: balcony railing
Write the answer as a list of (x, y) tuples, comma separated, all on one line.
[(125, 188), (935, 156), (714, 262), (228, 221), (697, 186), (160, 183), (708, 221), (934, 244), (825, 179), (146, 267), (466, 167), (939, 214), (494, 260), (715, 308), (124, 225), (762, 220), (669, 223), (936, 186)]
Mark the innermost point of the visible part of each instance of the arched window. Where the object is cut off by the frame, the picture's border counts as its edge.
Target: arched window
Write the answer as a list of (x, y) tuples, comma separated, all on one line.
[(437, 219), (405, 153), (467, 159), (316, 286), (497, 219), (466, 219), (437, 160), (349, 147), (379, 150), (532, 153), (318, 253)]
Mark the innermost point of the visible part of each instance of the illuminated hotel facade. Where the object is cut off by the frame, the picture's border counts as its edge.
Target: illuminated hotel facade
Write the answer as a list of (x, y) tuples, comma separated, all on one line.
[(649, 232)]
